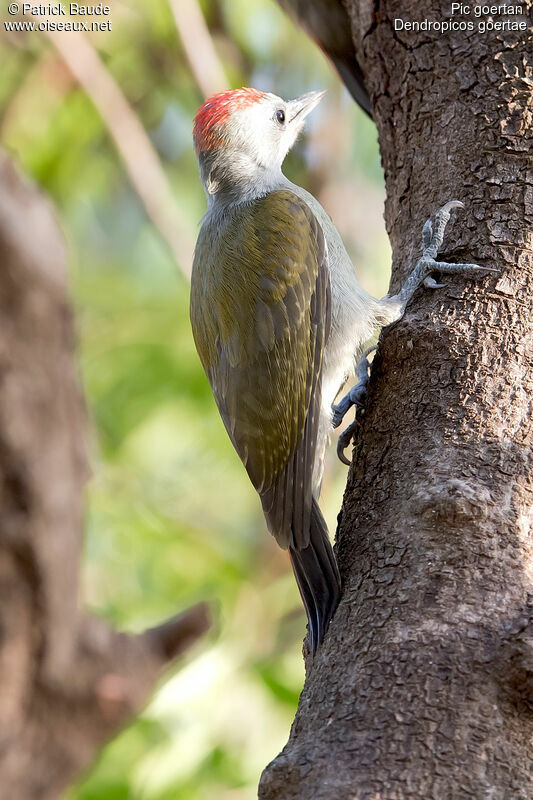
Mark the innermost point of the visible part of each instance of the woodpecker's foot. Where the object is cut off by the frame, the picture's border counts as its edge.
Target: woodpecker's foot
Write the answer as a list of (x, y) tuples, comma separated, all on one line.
[(355, 397), (432, 239), (344, 441)]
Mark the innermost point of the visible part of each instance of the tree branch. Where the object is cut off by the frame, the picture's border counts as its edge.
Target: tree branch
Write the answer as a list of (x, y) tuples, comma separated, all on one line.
[(422, 689), (68, 680)]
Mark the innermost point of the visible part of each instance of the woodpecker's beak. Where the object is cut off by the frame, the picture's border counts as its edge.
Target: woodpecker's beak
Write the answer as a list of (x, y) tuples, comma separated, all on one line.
[(302, 106)]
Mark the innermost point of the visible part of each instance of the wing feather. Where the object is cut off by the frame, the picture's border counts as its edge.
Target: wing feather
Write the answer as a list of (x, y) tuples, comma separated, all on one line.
[(260, 310)]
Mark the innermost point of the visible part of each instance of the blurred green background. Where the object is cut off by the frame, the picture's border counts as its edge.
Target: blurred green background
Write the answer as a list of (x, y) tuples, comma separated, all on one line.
[(170, 516)]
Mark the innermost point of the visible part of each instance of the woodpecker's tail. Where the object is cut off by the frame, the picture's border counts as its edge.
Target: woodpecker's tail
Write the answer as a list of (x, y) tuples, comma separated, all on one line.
[(317, 576)]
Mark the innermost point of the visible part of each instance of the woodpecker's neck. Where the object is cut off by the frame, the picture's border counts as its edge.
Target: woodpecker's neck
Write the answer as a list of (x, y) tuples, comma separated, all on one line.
[(233, 177)]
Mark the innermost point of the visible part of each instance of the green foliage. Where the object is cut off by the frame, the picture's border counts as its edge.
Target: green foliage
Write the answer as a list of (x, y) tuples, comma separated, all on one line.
[(171, 517)]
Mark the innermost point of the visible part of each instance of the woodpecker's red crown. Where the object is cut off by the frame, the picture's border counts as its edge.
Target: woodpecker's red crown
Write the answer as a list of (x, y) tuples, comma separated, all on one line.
[(213, 114)]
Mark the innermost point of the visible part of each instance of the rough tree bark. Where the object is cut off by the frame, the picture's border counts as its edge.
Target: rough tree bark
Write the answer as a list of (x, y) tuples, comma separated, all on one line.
[(67, 681), (424, 686)]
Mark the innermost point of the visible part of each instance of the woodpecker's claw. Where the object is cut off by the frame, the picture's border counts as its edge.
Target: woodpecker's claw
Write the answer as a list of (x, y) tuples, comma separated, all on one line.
[(433, 237), (431, 283), (355, 397), (344, 440)]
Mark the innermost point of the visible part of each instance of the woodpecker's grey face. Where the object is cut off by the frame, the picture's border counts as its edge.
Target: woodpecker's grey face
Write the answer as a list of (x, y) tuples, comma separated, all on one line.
[(242, 137), (268, 129)]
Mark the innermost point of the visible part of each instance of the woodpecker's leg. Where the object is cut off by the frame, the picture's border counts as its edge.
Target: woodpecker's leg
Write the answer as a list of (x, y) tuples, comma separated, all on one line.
[(355, 397), (391, 308)]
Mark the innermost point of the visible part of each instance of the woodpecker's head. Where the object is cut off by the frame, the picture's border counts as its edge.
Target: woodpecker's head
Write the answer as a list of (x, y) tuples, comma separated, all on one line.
[(242, 136)]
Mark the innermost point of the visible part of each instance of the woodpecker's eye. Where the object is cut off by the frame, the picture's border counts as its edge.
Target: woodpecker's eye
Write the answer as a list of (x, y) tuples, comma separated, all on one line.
[(280, 116)]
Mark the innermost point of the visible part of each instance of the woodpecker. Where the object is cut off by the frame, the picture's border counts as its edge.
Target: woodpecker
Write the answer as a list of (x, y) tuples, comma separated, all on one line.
[(280, 321)]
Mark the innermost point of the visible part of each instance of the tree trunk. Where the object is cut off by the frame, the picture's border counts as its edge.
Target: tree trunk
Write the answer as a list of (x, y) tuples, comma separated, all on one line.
[(424, 686), (68, 682)]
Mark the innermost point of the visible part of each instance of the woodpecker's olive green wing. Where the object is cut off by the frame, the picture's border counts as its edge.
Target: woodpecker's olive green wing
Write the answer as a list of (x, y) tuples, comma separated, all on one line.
[(260, 312)]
